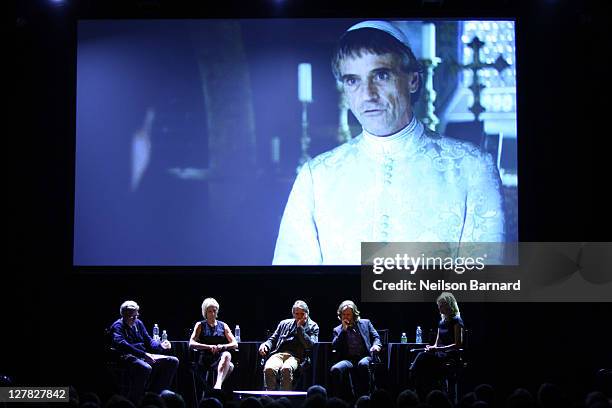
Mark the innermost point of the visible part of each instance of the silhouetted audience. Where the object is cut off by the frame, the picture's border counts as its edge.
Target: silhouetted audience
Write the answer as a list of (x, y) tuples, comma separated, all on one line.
[(251, 402), (73, 397), (152, 399), (596, 398), (284, 401), (275, 404), (407, 399), (5, 380), (266, 400), (316, 390), (550, 396), (90, 398), (210, 402), (467, 400), (603, 381), (336, 402), (438, 399), (314, 401), (172, 399), (363, 402), (119, 401), (486, 393), (220, 395), (520, 398)]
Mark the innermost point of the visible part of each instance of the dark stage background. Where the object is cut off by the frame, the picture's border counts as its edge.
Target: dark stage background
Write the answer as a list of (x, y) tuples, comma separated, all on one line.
[(53, 318)]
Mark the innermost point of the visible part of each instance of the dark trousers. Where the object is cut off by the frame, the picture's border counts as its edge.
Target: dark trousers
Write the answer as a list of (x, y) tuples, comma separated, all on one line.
[(158, 376), (351, 378), (427, 370)]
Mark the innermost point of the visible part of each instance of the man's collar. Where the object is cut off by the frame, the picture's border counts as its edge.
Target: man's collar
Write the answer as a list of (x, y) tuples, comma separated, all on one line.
[(410, 127), (403, 141), (123, 322)]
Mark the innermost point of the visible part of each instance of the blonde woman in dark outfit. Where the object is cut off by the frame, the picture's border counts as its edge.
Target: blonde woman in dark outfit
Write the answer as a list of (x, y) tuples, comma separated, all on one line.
[(428, 366)]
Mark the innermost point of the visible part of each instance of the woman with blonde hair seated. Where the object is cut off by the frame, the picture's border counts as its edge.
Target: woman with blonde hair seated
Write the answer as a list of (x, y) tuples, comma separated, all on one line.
[(215, 339), (428, 366)]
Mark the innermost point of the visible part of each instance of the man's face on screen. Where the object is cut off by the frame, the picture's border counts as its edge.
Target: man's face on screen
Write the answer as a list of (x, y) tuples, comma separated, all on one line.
[(378, 91)]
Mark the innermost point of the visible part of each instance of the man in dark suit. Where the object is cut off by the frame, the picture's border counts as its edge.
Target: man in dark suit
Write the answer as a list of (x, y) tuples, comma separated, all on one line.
[(140, 353), (355, 341)]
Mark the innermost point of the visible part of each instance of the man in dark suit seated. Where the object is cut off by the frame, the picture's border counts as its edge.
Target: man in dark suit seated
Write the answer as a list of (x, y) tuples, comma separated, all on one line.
[(136, 351), (354, 341)]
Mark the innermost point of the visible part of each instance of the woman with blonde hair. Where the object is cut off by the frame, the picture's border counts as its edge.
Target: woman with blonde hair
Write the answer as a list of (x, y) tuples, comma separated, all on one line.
[(215, 339), (428, 366)]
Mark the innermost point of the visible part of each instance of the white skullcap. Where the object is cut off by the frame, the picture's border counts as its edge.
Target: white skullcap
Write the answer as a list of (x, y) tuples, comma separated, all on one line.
[(385, 26)]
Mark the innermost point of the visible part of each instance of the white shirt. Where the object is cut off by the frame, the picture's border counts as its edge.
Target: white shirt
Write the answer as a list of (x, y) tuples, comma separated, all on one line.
[(413, 186)]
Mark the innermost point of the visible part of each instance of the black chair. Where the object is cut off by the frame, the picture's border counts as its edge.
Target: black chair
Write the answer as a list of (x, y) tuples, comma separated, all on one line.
[(603, 380), (378, 364), (204, 377), (117, 372), (453, 367), (454, 370), (199, 382), (194, 369)]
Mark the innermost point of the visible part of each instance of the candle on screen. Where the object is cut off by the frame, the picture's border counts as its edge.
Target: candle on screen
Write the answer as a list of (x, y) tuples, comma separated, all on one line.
[(428, 46), (275, 149), (305, 82)]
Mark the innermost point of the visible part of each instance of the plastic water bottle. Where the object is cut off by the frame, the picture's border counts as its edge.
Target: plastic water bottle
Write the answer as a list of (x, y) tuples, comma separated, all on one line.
[(155, 332), (164, 336), (237, 331), (419, 335), (404, 339)]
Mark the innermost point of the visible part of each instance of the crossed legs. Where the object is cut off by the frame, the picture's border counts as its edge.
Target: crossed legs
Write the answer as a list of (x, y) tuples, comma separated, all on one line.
[(224, 368)]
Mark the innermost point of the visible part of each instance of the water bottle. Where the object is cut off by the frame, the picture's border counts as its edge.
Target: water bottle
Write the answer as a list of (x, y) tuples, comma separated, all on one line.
[(237, 331), (155, 332), (164, 336), (404, 339), (419, 335)]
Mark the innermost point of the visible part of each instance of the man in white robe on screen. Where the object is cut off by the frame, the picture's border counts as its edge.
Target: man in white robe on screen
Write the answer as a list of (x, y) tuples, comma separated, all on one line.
[(395, 182)]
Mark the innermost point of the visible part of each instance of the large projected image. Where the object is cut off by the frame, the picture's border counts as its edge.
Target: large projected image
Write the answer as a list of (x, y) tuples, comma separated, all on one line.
[(288, 141)]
